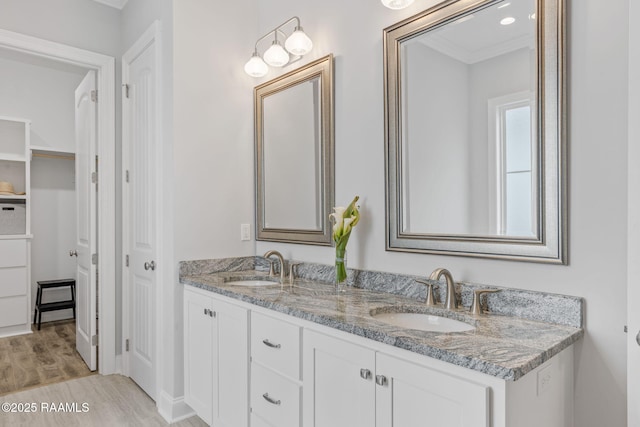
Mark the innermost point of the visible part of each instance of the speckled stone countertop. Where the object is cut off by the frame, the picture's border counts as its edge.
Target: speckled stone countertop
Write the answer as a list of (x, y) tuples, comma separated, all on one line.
[(501, 345)]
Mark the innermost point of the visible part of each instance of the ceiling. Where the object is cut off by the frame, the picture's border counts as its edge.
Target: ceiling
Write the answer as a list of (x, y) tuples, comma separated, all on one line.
[(118, 4), (480, 36)]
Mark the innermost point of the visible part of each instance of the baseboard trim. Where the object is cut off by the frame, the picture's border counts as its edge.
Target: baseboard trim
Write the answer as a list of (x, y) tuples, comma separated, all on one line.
[(173, 409)]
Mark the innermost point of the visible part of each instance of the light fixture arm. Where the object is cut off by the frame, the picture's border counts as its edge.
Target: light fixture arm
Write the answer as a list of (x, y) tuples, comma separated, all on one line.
[(276, 30)]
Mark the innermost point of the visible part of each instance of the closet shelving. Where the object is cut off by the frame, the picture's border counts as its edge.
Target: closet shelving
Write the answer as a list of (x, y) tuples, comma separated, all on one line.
[(15, 249)]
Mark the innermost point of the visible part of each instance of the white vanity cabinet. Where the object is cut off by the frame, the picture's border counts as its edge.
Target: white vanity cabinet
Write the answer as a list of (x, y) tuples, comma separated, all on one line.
[(216, 354), (350, 385), (281, 371)]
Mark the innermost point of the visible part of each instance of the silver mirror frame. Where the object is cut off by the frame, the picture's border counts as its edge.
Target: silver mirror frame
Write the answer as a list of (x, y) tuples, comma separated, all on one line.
[(322, 68), (550, 244)]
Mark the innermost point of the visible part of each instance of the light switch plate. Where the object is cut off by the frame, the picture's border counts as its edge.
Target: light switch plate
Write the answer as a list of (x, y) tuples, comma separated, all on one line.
[(245, 232)]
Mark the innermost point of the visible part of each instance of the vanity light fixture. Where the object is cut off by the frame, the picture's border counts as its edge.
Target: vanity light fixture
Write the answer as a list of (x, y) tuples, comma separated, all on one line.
[(396, 4), (297, 44)]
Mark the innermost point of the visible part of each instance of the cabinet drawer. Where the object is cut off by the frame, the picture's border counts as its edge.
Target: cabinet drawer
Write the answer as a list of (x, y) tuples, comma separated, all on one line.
[(13, 253), (13, 311), (276, 344), (274, 398), (13, 281)]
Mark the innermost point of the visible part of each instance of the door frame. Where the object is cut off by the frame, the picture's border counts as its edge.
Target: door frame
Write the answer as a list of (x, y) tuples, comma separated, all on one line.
[(105, 68), (151, 36), (633, 221)]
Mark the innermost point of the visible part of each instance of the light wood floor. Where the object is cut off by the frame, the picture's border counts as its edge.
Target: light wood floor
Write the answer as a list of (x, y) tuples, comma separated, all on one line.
[(44, 357), (111, 400)]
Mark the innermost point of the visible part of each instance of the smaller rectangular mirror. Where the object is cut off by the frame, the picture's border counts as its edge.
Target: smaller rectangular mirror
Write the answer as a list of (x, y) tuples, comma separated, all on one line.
[(294, 155)]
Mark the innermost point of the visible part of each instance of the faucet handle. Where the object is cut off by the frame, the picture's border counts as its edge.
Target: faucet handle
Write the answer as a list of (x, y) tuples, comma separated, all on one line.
[(271, 270), (477, 293), (430, 300), (291, 271)]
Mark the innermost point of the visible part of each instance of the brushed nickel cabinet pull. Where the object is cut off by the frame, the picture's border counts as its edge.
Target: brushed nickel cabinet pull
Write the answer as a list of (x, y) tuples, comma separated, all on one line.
[(270, 399), (270, 344)]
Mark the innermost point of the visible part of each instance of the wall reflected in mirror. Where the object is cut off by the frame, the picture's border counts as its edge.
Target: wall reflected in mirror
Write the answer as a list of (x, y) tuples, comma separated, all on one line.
[(469, 160), (292, 157)]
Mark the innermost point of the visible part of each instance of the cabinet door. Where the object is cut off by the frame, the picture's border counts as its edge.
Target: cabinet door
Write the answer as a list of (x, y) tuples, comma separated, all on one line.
[(335, 393), (230, 365), (198, 345), (415, 396)]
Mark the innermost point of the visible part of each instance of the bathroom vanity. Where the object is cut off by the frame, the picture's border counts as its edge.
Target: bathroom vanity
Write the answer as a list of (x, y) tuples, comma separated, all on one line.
[(271, 354)]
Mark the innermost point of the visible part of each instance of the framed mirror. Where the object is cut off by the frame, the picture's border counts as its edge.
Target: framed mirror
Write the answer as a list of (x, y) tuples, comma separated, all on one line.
[(295, 155), (474, 130)]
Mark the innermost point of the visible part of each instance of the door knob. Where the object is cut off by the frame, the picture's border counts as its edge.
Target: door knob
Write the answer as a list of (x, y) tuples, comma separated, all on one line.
[(150, 265), (73, 253)]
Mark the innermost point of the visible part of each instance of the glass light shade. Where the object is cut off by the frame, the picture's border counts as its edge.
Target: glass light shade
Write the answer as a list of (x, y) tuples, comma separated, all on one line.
[(255, 66), (298, 43), (276, 56), (396, 4)]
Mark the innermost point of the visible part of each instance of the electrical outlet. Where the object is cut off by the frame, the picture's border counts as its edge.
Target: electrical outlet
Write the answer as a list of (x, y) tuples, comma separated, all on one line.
[(545, 378), (245, 232)]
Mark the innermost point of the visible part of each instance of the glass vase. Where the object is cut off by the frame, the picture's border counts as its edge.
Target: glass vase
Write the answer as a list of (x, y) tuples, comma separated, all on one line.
[(341, 270)]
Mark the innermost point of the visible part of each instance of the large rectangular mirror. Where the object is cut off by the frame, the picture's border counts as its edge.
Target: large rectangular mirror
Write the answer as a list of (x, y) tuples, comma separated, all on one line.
[(474, 130), (294, 155)]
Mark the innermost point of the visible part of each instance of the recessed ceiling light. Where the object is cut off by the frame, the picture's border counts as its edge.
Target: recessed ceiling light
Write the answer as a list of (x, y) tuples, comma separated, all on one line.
[(532, 16), (508, 20), (503, 5)]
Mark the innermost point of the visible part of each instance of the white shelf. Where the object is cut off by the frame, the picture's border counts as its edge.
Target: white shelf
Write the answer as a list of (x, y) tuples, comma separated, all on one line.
[(12, 197), (15, 236), (49, 151)]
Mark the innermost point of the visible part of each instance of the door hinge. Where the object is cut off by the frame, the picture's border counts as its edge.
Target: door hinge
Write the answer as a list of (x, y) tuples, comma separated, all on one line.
[(94, 340), (94, 178), (94, 95), (94, 259), (126, 90), (126, 176), (126, 261), (126, 344)]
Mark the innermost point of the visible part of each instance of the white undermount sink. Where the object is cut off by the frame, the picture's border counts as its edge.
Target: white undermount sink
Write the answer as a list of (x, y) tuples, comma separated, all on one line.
[(423, 322), (255, 282)]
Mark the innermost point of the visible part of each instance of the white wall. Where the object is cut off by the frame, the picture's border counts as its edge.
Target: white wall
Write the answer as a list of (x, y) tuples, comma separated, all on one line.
[(435, 91), (53, 225), (597, 75), (41, 91)]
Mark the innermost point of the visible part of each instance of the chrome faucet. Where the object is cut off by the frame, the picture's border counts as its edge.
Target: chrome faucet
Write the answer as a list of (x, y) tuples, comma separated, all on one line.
[(281, 259), (451, 302)]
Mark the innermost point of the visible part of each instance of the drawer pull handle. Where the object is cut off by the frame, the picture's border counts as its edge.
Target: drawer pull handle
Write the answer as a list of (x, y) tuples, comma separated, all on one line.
[(270, 344), (270, 399)]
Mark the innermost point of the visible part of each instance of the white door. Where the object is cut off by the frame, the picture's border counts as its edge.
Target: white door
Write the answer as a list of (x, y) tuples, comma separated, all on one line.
[(339, 388), (86, 280), (410, 395), (139, 133), (633, 255)]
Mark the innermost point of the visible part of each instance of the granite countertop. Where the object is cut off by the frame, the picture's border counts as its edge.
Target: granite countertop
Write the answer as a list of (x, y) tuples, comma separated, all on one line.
[(503, 346)]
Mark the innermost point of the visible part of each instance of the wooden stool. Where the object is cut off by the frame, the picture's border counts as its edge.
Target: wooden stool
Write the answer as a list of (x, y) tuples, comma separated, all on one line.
[(58, 305)]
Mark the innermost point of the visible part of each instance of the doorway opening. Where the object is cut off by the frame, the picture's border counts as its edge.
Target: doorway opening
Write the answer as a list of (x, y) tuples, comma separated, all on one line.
[(104, 258)]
